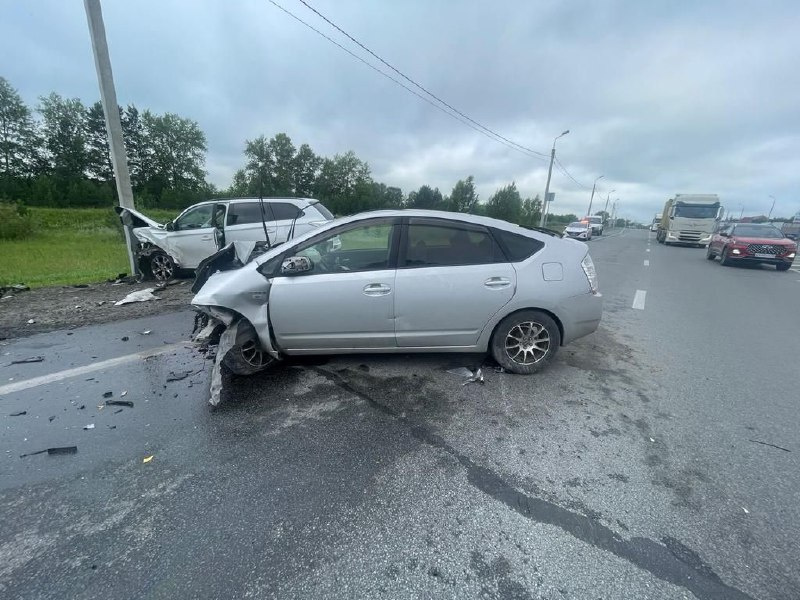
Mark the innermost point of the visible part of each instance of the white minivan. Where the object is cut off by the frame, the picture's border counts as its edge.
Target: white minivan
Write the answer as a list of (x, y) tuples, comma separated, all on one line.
[(204, 228)]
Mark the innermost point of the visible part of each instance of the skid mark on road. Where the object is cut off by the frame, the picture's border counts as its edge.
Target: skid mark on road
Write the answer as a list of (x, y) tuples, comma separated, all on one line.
[(639, 299), (667, 560), (18, 386)]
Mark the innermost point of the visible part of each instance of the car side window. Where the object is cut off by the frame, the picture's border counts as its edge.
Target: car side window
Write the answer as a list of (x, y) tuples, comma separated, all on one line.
[(284, 211), (243, 213), (360, 248), (196, 218), (519, 247), (436, 245)]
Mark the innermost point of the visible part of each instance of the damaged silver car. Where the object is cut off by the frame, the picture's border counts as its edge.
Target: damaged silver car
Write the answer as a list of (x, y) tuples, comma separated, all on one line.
[(401, 281), (205, 228)]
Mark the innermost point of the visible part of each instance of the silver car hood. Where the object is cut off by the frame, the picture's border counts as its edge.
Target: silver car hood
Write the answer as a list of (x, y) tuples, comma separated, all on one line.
[(137, 219)]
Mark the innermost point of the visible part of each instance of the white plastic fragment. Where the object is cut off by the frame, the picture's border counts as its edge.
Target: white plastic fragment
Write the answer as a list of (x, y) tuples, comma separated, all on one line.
[(31, 321), (747, 512), (226, 341), (89, 426), (138, 296)]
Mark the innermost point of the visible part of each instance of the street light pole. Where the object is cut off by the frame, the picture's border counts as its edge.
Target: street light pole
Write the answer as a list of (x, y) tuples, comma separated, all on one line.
[(605, 210), (543, 218), (591, 198), (769, 216)]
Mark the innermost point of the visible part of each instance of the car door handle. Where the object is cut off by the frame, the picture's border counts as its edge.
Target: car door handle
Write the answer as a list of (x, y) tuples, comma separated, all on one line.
[(377, 289), (497, 283)]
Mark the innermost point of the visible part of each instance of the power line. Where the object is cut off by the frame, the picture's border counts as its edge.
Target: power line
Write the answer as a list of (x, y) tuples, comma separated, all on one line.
[(404, 76), (459, 116), (568, 174)]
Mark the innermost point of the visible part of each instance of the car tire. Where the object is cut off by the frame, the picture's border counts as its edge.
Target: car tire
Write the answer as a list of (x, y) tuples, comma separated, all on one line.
[(161, 266), (783, 266), (709, 254), (723, 258), (247, 357), (536, 330)]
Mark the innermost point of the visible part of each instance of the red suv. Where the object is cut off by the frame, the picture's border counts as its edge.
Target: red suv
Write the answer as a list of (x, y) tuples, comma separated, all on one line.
[(752, 243)]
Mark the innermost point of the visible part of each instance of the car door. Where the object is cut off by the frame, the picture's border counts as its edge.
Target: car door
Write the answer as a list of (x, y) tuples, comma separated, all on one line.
[(192, 237), (451, 279), (245, 222), (346, 301), (718, 239)]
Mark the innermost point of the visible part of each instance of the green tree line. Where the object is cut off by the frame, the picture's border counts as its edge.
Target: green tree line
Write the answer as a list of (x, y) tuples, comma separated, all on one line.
[(56, 154)]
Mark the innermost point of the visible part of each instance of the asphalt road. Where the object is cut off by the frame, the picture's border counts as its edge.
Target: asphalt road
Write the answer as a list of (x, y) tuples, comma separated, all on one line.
[(636, 466)]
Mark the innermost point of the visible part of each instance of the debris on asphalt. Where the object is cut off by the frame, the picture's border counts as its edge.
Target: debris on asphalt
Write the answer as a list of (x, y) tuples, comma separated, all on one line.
[(147, 459), (138, 296), (128, 403), (19, 414), (101, 302), (51, 418), (112, 426), (31, 321), (123, 394), (652, 440), (80, 285), (25, 361), (56, 450), (146, 332), (499, 370), (747, 512), (8, 290), (108, 394), (119, 410), (226, 341), (89, 426), (770, 445), (125, 338), (173, 376), (477, 377)]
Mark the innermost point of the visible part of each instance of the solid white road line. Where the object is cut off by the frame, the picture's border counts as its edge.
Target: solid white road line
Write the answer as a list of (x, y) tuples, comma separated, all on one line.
[(638, 299), (647, 263), (98, 366)]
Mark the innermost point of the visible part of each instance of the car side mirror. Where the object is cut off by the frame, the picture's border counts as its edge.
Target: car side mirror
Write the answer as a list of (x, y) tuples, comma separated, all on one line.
[(724, 234), (295, 265), (170, 226)]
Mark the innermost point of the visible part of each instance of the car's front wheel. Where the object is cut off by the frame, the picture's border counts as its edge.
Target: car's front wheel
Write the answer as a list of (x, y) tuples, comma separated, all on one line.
[(525, 342), (161, 266), (783, 266), (709, 254), (247, 357), (723, 258)]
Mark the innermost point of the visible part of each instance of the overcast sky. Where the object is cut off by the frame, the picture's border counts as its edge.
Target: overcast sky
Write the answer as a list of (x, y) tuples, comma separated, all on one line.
[(660, 96)]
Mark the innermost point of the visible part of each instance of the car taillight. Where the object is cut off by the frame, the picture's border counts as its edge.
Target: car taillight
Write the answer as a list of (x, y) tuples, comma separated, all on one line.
[(591, 274)]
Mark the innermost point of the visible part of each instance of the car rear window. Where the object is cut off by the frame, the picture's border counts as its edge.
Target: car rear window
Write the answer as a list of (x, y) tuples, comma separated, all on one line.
[(323, 211), (517, 247), (284, 211), (242, 213)]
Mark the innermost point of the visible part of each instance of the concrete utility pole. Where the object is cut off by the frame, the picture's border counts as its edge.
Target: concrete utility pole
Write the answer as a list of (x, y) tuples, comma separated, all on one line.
[(108, 96), (545, 203), (594, 186), (769, 216), (605, 210)]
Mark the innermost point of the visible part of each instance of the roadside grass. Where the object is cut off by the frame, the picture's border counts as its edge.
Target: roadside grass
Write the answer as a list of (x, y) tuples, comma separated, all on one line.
[(68, 246)]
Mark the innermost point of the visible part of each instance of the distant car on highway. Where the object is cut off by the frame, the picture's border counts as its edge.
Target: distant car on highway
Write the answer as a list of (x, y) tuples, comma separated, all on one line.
[(401, 281), (738, 243), (579, 230), (596, 222), (202, 229)]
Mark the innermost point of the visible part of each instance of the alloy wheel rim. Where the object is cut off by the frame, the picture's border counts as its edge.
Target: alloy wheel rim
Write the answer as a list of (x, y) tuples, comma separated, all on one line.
[(161, 266), (527, 343), (253, 354)]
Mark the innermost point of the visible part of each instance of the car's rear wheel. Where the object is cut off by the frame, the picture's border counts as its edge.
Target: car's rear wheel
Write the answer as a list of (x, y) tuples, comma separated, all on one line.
[(525, 342), (783, 266), (723, 259), (161, 266), (247, 357), (709, 254)]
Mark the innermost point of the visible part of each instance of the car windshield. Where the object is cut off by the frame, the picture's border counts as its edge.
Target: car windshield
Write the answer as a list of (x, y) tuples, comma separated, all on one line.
[(757, 231), (577, 225), (695, 211)]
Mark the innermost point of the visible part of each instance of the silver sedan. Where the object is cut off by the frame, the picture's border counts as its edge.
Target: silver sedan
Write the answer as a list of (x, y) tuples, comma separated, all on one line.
[(402, 281)]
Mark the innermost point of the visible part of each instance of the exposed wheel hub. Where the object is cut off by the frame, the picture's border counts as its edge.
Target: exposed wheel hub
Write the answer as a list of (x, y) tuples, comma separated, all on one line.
[(527, 343)]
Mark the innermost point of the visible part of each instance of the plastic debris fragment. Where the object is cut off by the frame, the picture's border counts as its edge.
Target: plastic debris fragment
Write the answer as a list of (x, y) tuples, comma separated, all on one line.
[(138, 296), (147, 459)]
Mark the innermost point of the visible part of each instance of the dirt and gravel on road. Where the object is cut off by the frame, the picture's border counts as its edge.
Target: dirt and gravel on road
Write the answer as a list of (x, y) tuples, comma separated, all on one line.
[(27, 312)]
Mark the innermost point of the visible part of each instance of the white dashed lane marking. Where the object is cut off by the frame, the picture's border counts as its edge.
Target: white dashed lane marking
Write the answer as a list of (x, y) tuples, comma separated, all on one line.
[(638, 299)]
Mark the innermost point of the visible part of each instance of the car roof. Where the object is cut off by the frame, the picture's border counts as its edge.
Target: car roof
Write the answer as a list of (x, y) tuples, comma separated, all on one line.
[(295, 201)]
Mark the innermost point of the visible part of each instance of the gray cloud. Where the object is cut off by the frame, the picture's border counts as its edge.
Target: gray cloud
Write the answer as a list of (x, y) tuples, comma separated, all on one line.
[(660, 97)]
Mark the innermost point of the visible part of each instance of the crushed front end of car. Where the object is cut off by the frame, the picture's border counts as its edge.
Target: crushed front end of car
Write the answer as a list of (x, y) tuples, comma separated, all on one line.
[(232, 305)]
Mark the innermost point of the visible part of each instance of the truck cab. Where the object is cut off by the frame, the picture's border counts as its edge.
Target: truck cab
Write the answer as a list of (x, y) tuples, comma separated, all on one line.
[(689, 219)]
